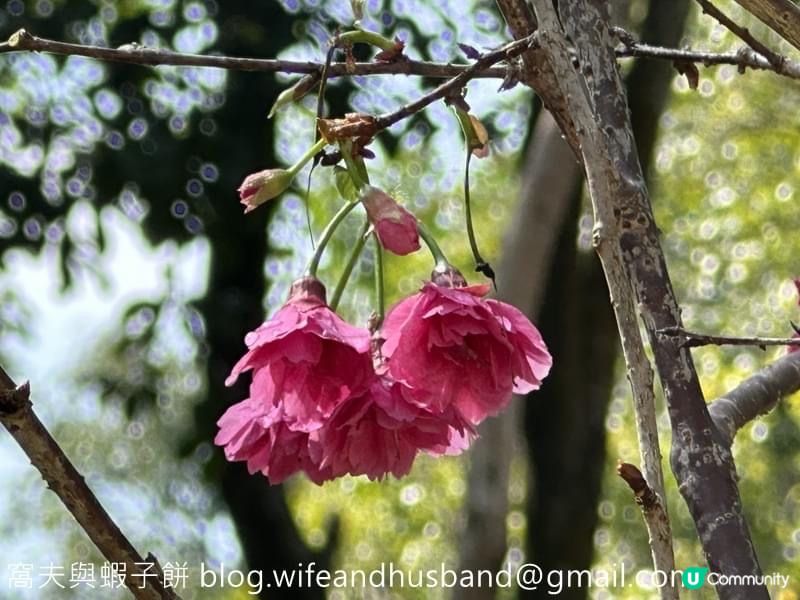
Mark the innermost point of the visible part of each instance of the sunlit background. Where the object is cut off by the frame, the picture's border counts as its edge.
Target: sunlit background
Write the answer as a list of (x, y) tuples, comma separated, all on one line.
[(115, 183)]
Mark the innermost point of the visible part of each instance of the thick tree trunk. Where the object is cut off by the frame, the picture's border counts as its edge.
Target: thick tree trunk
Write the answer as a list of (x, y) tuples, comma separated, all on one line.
[(565, 471), (627, 241)]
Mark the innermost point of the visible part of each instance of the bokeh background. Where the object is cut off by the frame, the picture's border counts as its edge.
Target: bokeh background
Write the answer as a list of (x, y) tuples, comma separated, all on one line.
[(129, 277)]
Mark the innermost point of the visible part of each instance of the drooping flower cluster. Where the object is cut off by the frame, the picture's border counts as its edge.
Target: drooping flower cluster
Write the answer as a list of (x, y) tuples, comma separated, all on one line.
[(329, 399)]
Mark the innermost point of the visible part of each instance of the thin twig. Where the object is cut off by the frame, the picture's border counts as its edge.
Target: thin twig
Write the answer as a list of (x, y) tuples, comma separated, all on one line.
[(61, 476), (486, 60), (364, 127), (775, 59), (141, 55), (482, 67), (655, 516), (743, 59), (22, 40), (691, 339)]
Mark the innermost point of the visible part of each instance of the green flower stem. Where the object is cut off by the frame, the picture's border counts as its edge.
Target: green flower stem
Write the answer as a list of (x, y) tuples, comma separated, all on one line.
[(471, 142), (379, 293), (438, 256), (326, 236), (348, 268), (310, 153), (473, 244), (360, 36)]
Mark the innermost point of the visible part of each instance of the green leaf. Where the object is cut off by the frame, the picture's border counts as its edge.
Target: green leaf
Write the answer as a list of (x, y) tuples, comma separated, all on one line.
[(344, 183)]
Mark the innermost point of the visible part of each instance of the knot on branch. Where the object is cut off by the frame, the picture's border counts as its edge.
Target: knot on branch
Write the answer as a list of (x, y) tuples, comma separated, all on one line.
[(20, 39), (14, 399), (643, 493)]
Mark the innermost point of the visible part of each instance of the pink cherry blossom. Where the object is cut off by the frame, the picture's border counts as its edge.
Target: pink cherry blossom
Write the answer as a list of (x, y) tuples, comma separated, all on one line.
[(450, 347), (380, 432), (252, 432), (306, 359), (395, 227)]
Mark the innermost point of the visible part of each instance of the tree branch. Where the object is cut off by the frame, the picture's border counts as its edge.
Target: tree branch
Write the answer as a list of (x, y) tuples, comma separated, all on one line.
[(135, 54), (756, 395), (364, 127), (627, 240), (653, 509), (690, 339), (16, 414), (782, 16), (640, 373), (743, 59), (486, 60), (24, 41), (741, 32)]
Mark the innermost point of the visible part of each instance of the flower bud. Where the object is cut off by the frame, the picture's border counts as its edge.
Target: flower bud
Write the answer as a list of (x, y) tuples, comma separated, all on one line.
[(358, 9), (259, 187), (395, 227)]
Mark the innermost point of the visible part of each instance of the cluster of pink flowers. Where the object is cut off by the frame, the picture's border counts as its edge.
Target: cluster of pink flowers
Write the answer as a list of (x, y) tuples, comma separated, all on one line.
[(328, 398)]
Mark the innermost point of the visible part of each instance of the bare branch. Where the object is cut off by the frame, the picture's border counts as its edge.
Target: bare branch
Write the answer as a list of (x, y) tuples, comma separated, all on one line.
[(653, 510), (743, 59), (627, 240), (691, 339), (756, 395), (364, 127), (742, 32), (135, 54), (782, 16), (16, 414), (507, 52), (23, 41), (597, 155)]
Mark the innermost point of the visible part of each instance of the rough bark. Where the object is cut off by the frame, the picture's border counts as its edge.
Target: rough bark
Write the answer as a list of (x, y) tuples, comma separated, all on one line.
[(564, 486), (627, 240), (536, 72), (782, 16)]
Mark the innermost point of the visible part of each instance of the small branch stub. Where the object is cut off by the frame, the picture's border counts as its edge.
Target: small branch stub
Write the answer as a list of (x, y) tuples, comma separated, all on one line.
[(691, 339), (642, 492)]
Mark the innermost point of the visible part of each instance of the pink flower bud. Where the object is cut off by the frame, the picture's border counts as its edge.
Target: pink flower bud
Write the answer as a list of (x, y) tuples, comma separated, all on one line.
[(395, 227), (259, 187)]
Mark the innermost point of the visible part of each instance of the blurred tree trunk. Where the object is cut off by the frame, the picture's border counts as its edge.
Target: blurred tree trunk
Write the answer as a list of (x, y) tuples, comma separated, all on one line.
[(234, 304), (522, 278), (565, 420)]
